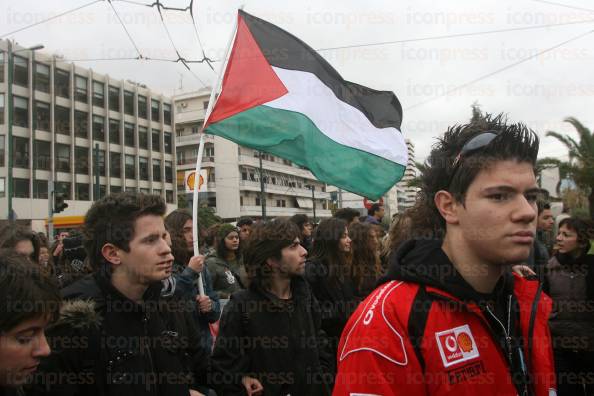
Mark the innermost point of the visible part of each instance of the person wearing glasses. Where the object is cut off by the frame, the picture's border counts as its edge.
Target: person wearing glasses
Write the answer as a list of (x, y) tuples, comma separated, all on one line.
[(449, 317)]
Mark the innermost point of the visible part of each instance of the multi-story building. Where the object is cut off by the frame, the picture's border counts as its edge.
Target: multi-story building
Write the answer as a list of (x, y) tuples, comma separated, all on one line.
[(406, 194), (69, 124), (234, 172)]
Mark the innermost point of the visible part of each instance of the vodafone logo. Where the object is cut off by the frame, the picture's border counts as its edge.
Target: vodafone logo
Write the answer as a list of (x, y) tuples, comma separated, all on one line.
[(456, 345)]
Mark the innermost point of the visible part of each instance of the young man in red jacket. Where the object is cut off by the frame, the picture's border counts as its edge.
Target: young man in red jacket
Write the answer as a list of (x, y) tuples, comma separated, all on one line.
[(450, 318)]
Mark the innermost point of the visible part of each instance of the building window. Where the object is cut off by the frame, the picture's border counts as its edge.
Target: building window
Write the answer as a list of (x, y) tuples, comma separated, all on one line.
[(167, 142), (62, 157), (20, 188), (155, 110), (155, 140), (40, 189), (20, 152), (240, 201), (82, 192), (168, 172), (169, 196), (98, 128), (157, 191), (42, 155), (62, 83), (98, 94), (129, 134), (42, 116), (167, 113), (257, 201), (62, 120), (81, 160), (114, 131), (143, 168), (143, 137), (100, 161), (81, 124), (130, 189), (2, 150), (21, 71), (209, 152), (142, 110), (80, 89), (281, 203), (1, 108), (21, 112), (115, 189), (114, 98), (115, 164), (102, 191), (156, 169), (130, 167), (2, 60), (64, 189), (42, 77), (129, 102)]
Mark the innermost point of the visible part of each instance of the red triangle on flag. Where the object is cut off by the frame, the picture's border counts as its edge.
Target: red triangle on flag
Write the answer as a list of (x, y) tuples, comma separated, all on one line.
[(249, 80)]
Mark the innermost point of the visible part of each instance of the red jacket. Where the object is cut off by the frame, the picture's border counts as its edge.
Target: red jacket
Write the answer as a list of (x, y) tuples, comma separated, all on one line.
[(389, 348)]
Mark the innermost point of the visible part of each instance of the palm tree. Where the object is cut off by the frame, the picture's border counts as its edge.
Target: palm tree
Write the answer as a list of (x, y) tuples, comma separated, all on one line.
[(580, 166)]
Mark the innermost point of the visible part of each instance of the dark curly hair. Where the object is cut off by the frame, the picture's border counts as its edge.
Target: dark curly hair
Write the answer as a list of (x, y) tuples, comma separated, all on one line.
[(513, 142), (12, 234), (111, 220), (266, 241), (174, 222)]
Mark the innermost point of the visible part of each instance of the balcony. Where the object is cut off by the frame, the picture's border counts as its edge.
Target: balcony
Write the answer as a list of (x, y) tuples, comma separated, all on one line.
[(275, 166), (192, 160), (282, 190), (274, 211), (186, 115)]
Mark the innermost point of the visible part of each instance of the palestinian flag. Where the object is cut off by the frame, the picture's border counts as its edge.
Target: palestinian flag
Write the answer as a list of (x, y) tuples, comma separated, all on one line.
[(280, 96)]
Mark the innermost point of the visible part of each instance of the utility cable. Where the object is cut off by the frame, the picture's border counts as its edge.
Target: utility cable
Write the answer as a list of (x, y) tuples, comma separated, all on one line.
[(125, 29), (485, 76), (50, 18)]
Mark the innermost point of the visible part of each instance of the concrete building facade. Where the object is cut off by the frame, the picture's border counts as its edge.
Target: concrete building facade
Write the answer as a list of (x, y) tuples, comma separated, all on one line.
[(61, 112), (234, 173)]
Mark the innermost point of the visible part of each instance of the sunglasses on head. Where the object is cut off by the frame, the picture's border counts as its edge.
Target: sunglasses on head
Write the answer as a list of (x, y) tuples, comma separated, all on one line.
[(478, 142)]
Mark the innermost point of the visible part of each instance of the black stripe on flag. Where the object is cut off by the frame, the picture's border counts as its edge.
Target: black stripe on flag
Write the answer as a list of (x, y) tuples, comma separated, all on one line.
[(286, 51)]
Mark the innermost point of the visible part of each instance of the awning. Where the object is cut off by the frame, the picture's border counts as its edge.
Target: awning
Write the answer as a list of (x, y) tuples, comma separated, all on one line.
[(305, 203)]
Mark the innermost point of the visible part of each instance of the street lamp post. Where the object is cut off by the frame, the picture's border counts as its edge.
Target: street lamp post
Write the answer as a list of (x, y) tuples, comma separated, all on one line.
[(11, 215)]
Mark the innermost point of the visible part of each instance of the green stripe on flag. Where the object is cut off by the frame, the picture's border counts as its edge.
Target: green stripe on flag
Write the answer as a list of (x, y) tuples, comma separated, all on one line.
[(295, 137)]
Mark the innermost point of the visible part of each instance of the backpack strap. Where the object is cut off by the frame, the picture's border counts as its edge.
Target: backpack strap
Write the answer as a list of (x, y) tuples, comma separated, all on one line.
[(417, 320)]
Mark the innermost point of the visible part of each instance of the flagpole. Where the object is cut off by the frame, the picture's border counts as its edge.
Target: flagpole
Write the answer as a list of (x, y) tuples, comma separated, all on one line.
[(211, 101)]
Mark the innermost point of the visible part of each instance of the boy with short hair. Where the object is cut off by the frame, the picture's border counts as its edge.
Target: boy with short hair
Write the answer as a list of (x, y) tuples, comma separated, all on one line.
[(117, 336), (450, 318), (269, 340)]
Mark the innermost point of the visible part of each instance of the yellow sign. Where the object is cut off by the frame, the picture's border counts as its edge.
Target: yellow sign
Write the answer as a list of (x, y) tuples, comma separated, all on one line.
[(190, 179)]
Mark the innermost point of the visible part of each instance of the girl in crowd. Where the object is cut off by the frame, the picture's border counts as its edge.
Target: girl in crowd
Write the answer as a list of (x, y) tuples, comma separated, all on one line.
[(305, 229), (366, 266), (327, 271), (570, 283), (186, 269), (22, 331), (21, 240), (225, 264)]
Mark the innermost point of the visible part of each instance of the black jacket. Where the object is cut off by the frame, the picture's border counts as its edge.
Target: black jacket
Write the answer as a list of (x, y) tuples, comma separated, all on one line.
[(337, 299), (279, 342), (106, 344)]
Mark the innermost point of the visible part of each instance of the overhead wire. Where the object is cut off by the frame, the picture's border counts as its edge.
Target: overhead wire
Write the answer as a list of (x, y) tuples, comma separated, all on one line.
[(51, 18), (125, 29), (507, 67)]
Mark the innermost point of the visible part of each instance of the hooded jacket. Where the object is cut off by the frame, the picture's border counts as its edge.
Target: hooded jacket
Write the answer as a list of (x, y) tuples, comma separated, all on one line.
[(426, 331), (227, 278), (279, 342), (107, 344)]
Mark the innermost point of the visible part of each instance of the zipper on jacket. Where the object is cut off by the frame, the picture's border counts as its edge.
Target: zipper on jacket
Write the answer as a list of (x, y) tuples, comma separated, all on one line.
[(145, 320), (508, 338)]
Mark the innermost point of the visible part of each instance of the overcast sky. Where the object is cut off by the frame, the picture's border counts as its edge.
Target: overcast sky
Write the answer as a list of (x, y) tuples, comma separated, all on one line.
[(424, 74)]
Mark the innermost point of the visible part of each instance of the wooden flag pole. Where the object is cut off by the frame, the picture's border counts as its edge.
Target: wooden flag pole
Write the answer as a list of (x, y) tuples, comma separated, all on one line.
[(211, 103)]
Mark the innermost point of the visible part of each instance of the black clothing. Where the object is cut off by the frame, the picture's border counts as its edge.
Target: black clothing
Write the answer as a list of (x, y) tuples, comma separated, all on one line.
[(279, 342), (338, 299), (107, 344), (12, 391)]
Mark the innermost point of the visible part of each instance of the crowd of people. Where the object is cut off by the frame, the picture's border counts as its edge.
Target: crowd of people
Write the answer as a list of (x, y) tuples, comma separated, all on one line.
[(477, 289)]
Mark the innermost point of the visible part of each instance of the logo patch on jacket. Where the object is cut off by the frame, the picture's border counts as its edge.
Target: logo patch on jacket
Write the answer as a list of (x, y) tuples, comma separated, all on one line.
[(456, 345)]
